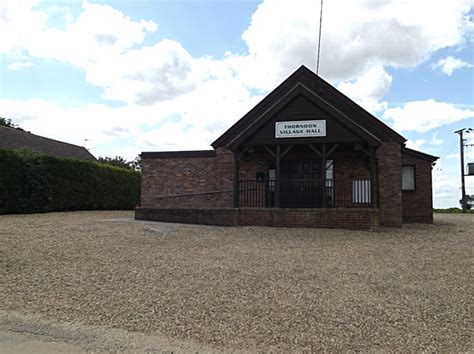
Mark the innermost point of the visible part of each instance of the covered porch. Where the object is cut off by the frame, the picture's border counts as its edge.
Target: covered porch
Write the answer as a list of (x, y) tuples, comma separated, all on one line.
[(305, 175)]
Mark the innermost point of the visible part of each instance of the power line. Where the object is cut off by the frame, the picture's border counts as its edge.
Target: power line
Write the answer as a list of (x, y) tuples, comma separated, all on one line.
[(319, 39), (440, 165)]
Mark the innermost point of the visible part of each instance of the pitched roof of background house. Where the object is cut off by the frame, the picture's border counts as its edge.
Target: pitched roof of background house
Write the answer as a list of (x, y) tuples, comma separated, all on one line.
[(327, 93), (15, 139)]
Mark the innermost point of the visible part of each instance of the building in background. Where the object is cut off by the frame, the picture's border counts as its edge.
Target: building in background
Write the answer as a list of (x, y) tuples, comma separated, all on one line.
[(17, 139)]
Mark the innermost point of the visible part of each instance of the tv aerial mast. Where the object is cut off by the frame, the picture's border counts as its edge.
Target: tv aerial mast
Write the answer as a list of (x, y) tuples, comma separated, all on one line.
[(319, 35)]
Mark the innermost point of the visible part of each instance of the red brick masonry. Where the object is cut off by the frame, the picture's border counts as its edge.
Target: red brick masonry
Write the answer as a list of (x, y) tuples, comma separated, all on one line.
[(361, 218), (189, 187), (418, 204)]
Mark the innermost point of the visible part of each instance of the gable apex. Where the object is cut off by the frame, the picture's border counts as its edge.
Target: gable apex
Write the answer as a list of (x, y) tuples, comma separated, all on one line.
[(330, 96), (301, 90)]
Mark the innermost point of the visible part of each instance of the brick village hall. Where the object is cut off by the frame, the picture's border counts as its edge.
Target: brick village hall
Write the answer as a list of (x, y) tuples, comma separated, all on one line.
[(305, 156)]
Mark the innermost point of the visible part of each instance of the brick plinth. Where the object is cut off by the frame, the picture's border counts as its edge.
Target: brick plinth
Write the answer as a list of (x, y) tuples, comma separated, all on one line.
[(344, 218)]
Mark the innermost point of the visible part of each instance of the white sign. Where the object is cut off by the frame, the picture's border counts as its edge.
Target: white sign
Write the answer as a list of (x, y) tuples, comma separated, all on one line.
[(300, 129)]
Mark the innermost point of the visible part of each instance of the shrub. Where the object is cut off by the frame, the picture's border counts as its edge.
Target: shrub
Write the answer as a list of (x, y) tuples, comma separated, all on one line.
[(451, 211), (31, 183)]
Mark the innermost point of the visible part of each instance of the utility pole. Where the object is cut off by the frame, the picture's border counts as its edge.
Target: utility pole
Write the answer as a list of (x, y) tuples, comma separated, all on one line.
[(461, 148)]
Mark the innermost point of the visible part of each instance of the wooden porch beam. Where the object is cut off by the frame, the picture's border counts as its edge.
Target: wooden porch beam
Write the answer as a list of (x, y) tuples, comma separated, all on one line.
[(315, 150), (332, 150), (287, 150), (270, 150), (364, 150), (244, 150)]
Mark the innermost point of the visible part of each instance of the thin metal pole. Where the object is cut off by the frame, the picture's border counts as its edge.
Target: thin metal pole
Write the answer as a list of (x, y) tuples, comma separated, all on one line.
[(319, 34), (463, 186)]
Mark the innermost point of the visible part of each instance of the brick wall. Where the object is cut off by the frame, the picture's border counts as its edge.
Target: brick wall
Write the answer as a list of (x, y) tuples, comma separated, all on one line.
[(348, 166), (207, 181), (188, 181), (389, 184), (249, 167), (361, 219), (418, 204)]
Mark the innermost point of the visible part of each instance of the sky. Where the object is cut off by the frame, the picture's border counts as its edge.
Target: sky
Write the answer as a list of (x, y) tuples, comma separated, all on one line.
[(121, 76)]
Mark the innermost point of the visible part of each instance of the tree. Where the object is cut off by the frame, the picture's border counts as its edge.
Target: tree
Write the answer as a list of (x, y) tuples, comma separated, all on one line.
[(137, 163), (5, 122), (119, 161)]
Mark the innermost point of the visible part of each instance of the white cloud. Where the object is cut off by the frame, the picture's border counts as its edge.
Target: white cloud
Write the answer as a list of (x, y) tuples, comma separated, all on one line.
[(20, 21), (435, 140), (282, 36), (368, 89), (162, 81), (100, 33), (422, 116), (20, 65), (147, 75), (450, 64), (415, 144), (107, 45), (364, 36), (191, 121)]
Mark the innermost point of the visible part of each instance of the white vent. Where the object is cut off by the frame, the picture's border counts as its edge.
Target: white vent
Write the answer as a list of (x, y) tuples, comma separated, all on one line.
[(361, 191)]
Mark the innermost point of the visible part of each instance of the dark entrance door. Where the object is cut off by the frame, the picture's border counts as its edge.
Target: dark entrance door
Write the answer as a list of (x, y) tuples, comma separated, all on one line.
[(300, 184)]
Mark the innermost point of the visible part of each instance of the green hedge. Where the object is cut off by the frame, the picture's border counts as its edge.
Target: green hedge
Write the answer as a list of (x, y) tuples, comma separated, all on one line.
[(34, 183)]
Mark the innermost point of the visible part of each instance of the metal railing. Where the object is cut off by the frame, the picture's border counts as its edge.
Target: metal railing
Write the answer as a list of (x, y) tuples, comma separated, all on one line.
[(305, 193)]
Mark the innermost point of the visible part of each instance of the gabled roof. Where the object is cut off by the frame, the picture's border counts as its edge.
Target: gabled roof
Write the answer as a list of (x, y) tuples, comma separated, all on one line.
[(15, 139), (327, 95), (301, 89), (419, 154)]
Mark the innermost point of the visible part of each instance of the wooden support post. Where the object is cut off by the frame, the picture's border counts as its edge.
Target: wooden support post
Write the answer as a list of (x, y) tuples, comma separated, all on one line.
[(323, 175), (277, 177), (236, 180), (373, 171)]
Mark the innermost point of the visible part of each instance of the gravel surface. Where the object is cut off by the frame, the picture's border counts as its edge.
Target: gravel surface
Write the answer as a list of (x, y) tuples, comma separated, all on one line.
[(27, 334), (406, 289)]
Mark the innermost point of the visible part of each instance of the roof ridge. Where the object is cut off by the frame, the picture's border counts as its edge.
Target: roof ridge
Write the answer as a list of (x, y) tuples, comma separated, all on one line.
[(20, 139)]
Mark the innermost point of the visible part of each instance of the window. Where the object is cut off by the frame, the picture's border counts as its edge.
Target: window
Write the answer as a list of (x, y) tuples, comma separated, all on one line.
[(408, 178)]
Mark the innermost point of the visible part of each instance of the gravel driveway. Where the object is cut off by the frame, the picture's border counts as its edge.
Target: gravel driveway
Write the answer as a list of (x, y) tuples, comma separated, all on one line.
[(250, 288)]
